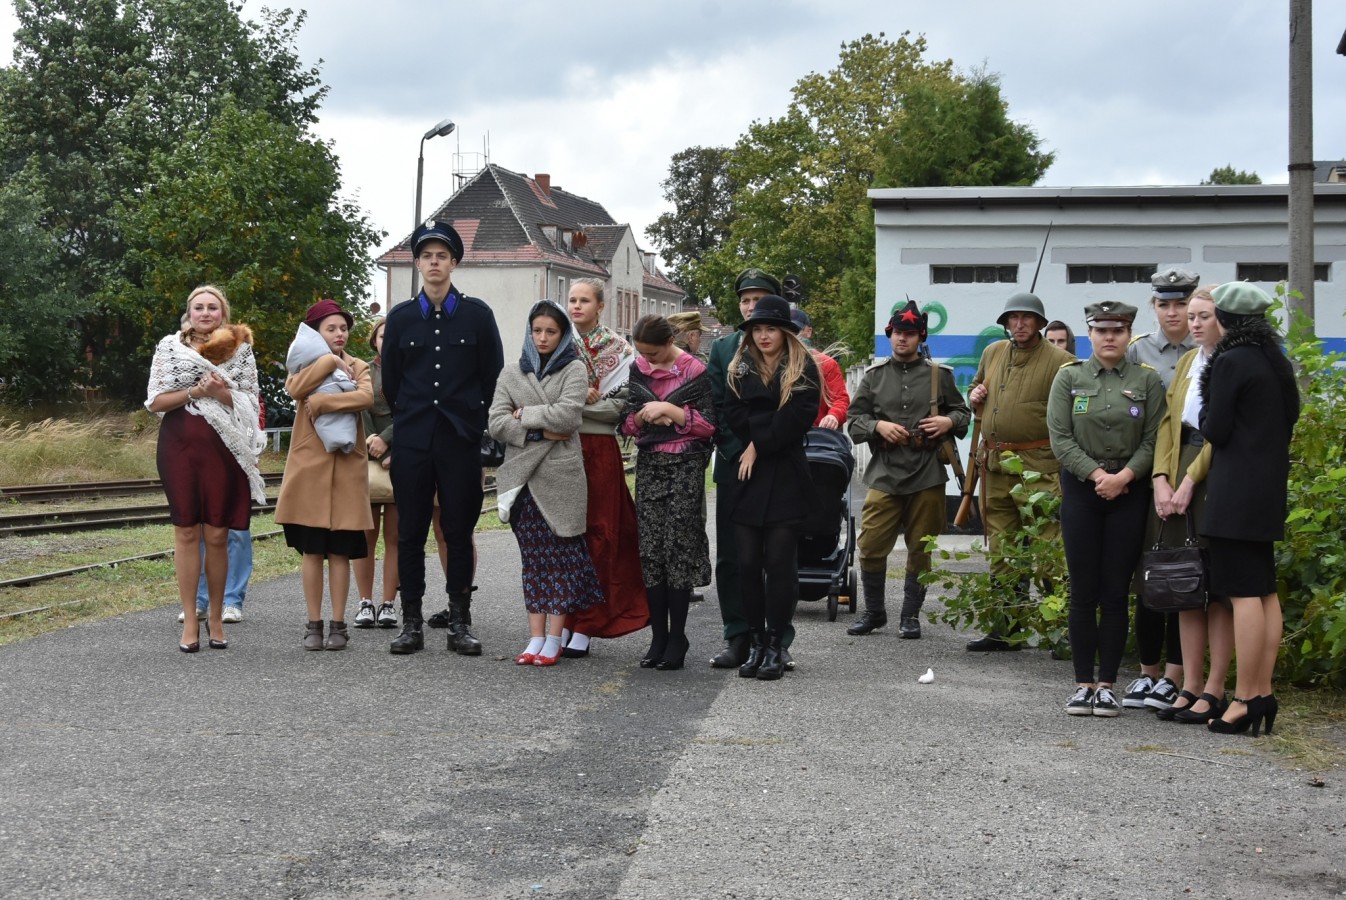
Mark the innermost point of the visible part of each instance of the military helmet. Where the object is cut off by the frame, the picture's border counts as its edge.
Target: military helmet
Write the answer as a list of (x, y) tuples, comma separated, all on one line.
[(1024, 302)]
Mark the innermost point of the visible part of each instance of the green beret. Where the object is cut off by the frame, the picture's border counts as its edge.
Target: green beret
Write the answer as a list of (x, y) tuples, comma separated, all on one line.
[(756, 278), (1107, 312), (1241, 299)]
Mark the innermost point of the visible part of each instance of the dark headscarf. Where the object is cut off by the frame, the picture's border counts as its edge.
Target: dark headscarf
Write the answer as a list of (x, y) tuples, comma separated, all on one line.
[(565, 352)]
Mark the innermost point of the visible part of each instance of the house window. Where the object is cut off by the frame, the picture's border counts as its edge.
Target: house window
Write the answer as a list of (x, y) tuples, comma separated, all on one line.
[(974, 274), (1138, 273), (1274, 272), (561, 295)]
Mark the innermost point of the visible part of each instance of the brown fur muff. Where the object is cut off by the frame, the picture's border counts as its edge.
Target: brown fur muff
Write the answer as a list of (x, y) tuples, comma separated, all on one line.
[(224, 342)]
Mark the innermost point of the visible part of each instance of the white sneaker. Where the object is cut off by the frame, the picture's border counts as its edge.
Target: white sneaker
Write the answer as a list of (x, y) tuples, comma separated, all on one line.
[(200, 616), (233, 614), (365, 617), (387, 616)]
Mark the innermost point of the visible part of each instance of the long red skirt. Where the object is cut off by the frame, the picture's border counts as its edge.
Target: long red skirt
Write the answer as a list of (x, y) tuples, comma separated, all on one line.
[(613, 544)]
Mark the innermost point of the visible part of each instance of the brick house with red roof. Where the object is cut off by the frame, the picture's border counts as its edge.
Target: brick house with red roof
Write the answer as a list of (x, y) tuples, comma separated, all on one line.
[(524, 239)]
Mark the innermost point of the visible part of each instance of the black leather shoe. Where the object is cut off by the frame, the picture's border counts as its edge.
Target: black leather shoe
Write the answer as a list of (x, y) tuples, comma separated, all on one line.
[(772, 667), (756, 653), (868, 621), (734, 654), (787, 659), (410, 640), (909, 627), (461, 640), (990, 643), (439, 619)]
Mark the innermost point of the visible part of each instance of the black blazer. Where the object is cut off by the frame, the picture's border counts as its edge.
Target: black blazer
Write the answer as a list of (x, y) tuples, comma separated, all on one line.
[(1248, 415), (441, 367), (780, 491)]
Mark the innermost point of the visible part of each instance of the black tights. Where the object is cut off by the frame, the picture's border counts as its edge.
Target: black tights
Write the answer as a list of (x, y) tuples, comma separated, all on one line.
[(668, 613), (769, 574)]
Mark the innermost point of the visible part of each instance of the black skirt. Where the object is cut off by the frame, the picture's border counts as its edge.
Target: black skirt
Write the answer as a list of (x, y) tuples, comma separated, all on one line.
[(312, 541), (1241, 568)]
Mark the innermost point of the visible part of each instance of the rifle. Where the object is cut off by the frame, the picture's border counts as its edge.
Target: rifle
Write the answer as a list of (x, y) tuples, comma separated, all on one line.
[(970, 486), (1041, 256), (948, 453)]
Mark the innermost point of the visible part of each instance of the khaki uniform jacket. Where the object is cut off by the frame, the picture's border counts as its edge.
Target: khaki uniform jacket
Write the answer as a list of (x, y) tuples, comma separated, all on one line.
[(321, 489), (1105, 417), (893, 391), (1155, 351), (1168, 443), (1018, 383)]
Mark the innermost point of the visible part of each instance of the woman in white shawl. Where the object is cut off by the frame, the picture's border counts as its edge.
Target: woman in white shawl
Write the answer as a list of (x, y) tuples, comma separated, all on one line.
[(203, 383)]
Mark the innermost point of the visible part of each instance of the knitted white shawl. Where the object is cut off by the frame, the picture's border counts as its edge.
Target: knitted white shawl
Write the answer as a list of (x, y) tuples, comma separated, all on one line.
[(177, 367)]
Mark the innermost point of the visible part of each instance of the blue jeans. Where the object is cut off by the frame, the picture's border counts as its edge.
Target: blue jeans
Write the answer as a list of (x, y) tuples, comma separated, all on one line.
[(240, 570)]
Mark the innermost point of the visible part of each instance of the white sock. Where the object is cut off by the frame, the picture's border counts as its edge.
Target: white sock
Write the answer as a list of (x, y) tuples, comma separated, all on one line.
[(578, 641), (534, 646), (553, 645), (565, 637)]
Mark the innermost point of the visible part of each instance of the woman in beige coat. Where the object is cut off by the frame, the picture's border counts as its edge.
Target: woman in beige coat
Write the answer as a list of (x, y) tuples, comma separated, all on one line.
[(324, 499)]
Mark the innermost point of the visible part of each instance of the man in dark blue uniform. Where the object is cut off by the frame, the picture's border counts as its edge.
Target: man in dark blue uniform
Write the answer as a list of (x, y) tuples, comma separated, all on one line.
[(441, 359)]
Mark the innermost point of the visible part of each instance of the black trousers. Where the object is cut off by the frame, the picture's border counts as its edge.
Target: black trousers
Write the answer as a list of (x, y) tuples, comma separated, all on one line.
[(728, 581), (1103, 541), (769, 574), (450, 469)]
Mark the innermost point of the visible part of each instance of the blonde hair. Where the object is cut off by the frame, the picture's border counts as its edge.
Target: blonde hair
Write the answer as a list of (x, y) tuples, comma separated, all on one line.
[(796, 357), (595, 283), (1204, 293), (218, 293)]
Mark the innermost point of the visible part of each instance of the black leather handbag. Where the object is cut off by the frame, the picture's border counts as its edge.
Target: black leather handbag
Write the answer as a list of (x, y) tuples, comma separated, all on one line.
[(1174, 578), (492, 452)]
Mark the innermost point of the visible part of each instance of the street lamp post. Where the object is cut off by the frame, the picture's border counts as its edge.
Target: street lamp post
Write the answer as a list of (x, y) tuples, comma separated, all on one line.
[(443, 129)]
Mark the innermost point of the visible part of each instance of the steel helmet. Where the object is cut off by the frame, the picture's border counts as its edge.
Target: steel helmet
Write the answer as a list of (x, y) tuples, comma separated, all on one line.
[(1024, 302)]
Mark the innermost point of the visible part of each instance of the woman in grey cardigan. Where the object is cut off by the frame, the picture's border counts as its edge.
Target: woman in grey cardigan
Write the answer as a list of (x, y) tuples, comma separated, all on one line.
[(536, 412)]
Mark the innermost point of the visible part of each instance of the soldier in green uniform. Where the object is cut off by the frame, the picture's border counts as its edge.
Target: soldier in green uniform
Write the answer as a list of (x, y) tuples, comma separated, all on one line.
[(1157, 636), (891, 411), (1103, 415), (1009, 395)]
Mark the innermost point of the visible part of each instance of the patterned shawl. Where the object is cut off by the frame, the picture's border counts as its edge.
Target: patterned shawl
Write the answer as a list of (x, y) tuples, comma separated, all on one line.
[(695, 393), (608, 358)]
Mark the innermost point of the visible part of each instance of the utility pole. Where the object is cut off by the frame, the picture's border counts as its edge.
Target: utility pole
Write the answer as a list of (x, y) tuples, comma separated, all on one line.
[(1301, 157)]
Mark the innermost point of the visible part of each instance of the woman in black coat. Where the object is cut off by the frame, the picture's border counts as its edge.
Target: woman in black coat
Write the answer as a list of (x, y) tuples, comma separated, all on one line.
[(1250, 404), (770, 406)]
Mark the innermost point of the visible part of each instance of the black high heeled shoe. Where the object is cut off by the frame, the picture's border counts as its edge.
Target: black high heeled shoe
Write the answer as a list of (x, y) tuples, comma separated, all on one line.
[(655, 654), (673, 660), (1266, 712), (1214, 709), (195, 645), (1169, 713), (1252, 712)]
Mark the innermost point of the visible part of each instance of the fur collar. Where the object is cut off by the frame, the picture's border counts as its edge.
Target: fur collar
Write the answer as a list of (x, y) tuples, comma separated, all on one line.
[(224, 342)]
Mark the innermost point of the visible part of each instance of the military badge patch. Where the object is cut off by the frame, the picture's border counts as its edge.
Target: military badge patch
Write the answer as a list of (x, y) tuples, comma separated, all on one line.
[(1081, 405)]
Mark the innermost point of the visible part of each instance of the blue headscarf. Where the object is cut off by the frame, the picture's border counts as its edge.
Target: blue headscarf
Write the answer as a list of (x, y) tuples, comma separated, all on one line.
[(565, 352)]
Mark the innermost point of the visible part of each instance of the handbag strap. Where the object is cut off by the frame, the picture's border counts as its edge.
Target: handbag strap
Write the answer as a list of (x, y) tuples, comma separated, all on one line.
[(1191, 529), (1191, 541)]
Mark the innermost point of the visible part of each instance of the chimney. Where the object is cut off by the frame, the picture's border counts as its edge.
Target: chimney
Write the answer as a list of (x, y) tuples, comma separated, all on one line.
[(543, 181)]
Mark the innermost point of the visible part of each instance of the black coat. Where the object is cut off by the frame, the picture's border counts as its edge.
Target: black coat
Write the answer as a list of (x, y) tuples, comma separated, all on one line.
[(1250, 406), (780, 491), (444, 366)]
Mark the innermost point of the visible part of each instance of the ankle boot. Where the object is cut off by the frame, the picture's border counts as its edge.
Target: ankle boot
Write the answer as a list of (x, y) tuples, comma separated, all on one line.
[(337, 636), (773, 665), (461, 640), (411, 639), (756, 651), (874, 616), (313, 635), (913, 598)]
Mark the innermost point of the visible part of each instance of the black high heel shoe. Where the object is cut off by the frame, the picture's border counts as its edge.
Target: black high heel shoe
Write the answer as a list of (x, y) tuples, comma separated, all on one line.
[(1189, 716), (1267, 713), (219, 645), (655, 654), (1238, 726), (1169, 713), (195, 645), (670, 662)]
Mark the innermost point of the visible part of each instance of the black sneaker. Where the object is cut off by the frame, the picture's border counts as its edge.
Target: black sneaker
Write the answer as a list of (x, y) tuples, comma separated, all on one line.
[(1162, 695), (1137, 691), (1105, 703), (1081, 703)]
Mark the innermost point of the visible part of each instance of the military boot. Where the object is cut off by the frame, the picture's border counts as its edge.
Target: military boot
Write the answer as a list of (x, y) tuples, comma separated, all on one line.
[(411, 639), (874, 616), (461, 640), (913, 597)]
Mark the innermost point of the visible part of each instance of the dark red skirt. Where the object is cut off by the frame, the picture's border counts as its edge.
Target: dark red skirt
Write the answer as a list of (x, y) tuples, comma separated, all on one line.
[(613, 543), (202, 480)]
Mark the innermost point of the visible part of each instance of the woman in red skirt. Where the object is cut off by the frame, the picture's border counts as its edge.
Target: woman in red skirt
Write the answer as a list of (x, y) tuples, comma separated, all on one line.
[(611, 532)]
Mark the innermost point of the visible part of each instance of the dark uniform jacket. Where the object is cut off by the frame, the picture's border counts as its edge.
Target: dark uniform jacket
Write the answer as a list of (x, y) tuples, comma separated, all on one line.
[(727, 444), (444, 363), (780, 491)]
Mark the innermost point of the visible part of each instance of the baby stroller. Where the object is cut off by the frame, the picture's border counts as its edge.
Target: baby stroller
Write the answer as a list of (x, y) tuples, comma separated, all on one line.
[(826, 553)]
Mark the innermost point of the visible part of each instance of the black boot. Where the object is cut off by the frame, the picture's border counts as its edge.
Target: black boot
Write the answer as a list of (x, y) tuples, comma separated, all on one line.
[(756, 652), (411, 639), (874, 616), (460, 639), (913, 597), (733, 655), (773, 665)]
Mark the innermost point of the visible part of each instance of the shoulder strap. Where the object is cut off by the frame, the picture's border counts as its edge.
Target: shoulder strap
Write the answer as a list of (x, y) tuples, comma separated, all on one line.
[(934, 387)]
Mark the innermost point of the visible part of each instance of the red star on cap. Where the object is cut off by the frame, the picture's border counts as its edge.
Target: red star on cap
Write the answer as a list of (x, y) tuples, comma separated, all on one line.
[(909, 316)]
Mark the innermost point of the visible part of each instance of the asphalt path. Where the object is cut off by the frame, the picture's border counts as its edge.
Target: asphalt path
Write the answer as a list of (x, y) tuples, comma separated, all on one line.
[(130, 770)]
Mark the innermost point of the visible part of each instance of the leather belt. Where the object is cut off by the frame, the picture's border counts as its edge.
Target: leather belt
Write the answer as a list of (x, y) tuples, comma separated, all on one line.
[(1112, 466), (1192, 436), (1019, 445)]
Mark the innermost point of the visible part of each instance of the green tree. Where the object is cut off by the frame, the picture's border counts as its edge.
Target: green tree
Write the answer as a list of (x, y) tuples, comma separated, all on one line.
[(701, 192), (246, 203), (39, 341), (1230, 175), (98, 87)]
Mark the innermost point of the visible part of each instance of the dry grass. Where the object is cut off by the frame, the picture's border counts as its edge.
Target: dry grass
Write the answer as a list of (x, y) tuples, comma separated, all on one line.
[(1311, 728)]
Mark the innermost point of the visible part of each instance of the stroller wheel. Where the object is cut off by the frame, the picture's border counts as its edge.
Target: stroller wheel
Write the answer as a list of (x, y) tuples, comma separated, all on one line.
[(832, 606), (853, 588)]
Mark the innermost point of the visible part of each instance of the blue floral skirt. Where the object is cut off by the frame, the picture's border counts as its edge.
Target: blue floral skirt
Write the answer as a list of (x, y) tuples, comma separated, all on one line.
[(558, 573)]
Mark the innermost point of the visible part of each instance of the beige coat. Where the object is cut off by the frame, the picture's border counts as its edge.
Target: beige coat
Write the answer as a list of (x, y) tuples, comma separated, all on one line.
[(321, 489)]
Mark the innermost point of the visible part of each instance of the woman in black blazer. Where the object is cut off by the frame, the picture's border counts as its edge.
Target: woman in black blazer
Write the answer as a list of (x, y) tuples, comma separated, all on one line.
[(1250, 403), (770, 406)]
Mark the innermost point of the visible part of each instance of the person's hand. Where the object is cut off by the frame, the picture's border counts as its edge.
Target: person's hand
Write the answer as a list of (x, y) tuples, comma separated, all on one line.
[(344, 366), (829, 421), (555, 435), (592, 396), (1163, 497), (1110, 487), (977, 396), (745, 462), (308, 408), (935, 426), (376, 445), (1182, 497), (387, 461), (518, 413), (892, 433)]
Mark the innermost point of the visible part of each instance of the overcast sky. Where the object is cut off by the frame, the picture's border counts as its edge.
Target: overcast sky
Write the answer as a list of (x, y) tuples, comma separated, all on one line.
[(601, 94)]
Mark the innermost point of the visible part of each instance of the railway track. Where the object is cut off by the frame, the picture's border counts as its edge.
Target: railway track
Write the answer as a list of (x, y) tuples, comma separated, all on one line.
[(91, 490)]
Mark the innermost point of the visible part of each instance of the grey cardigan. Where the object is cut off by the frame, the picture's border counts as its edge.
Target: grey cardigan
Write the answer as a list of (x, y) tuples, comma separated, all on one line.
[(552, 470)]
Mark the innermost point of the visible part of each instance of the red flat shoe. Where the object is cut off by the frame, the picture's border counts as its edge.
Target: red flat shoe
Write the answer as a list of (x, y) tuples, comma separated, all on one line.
[(541, 660), (525, 659)]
